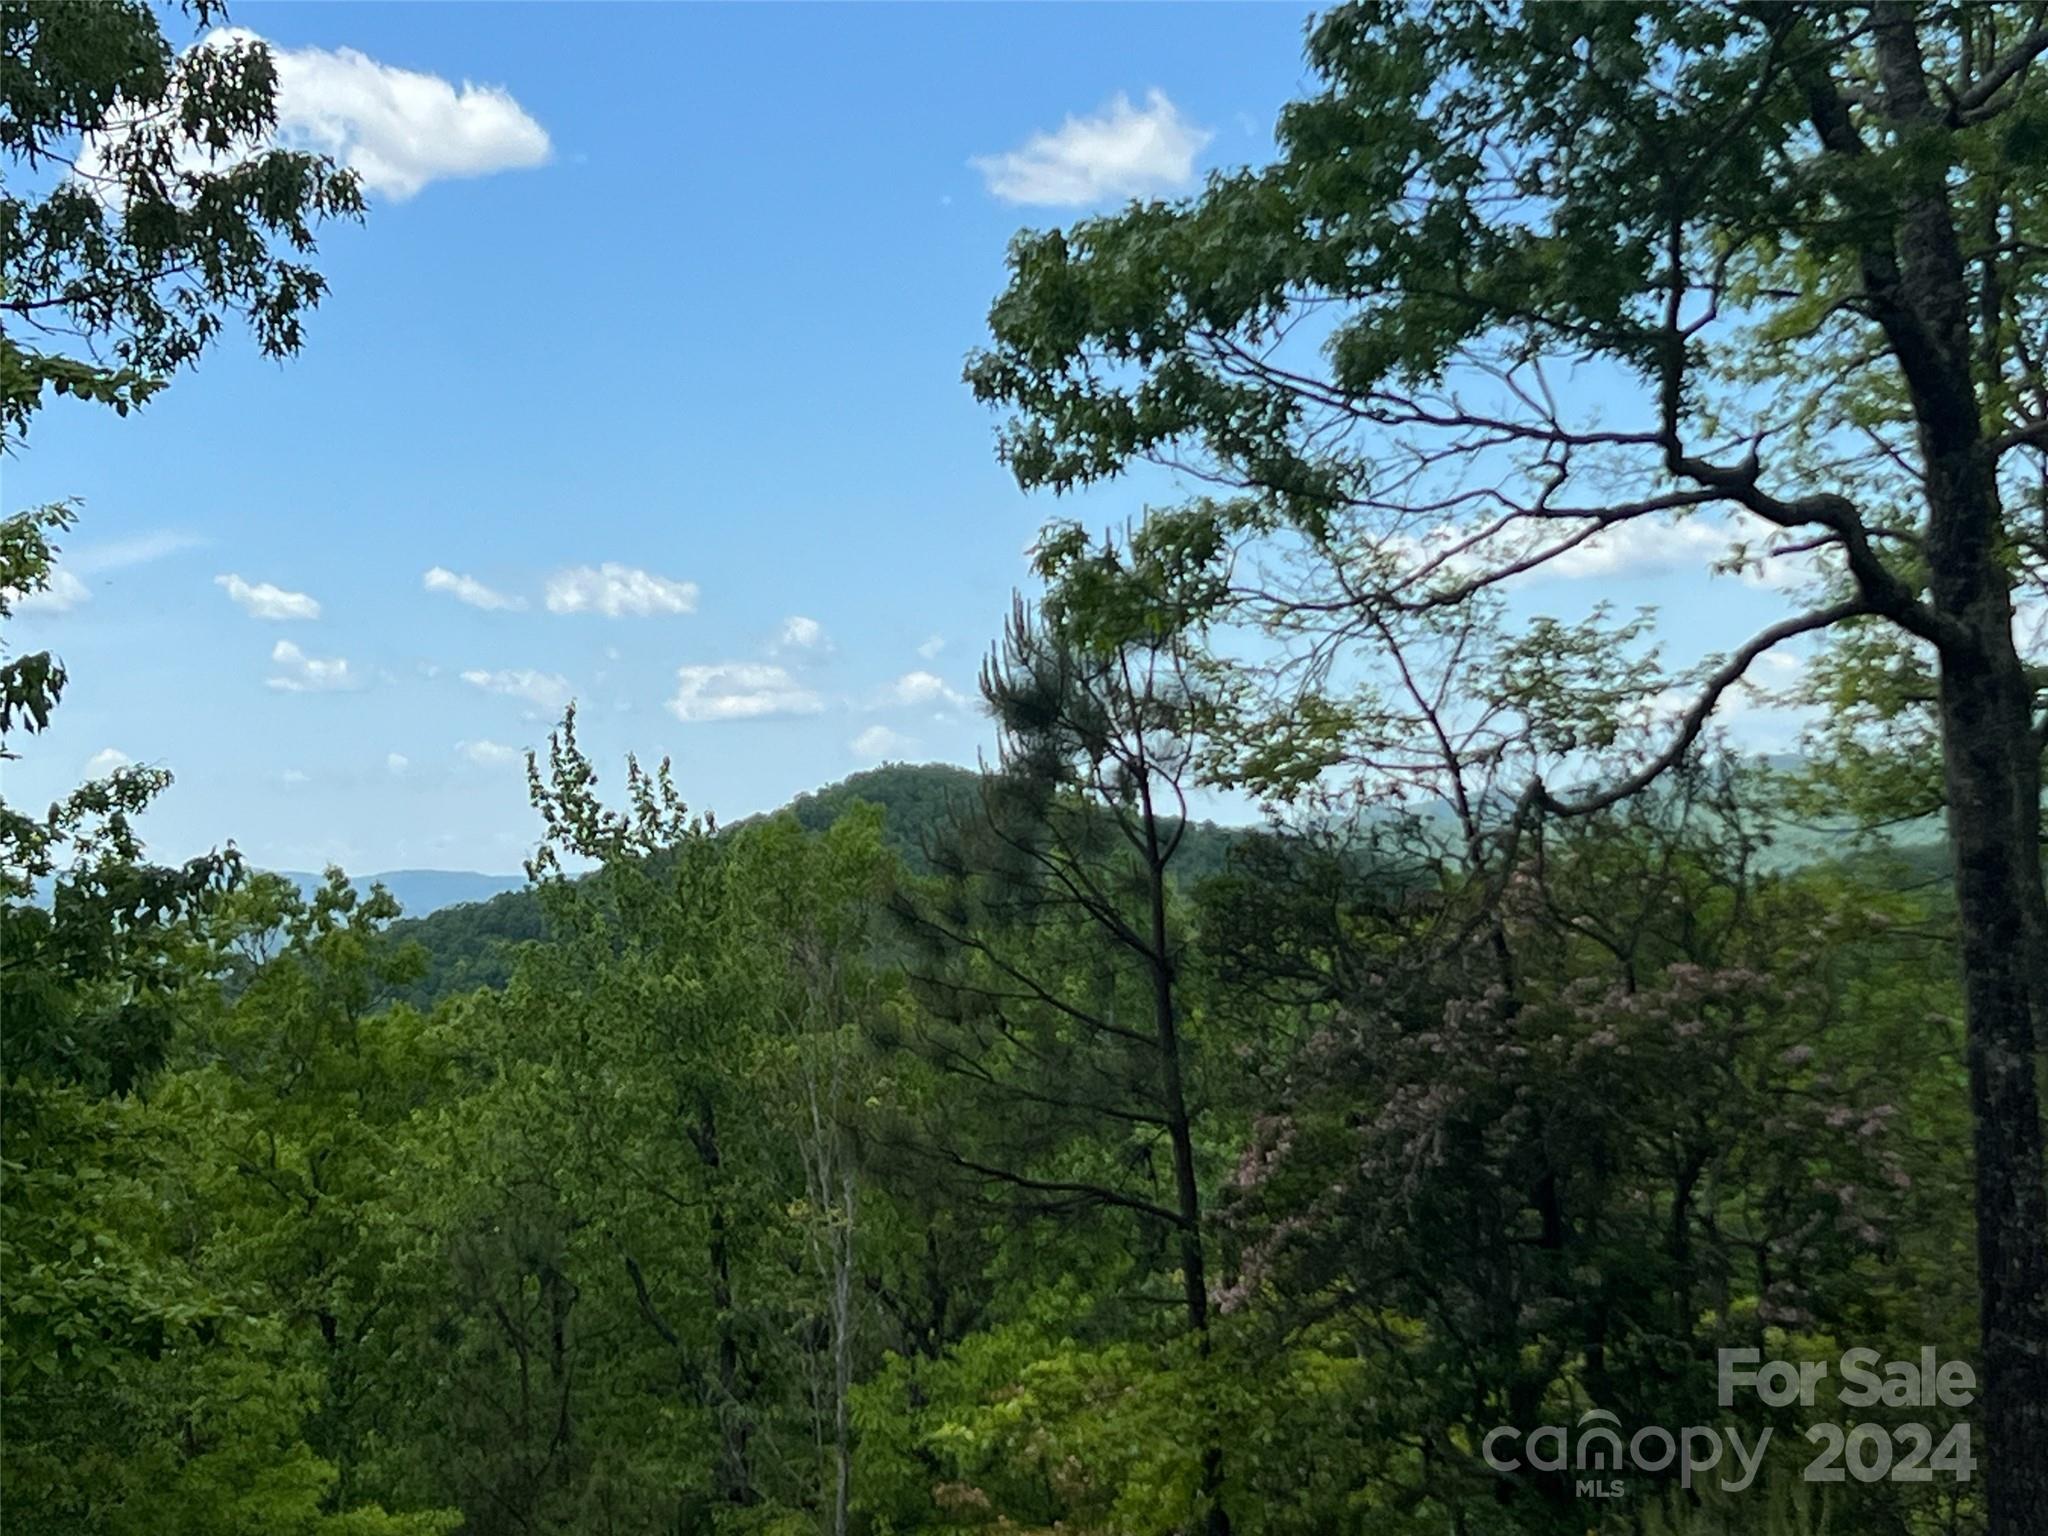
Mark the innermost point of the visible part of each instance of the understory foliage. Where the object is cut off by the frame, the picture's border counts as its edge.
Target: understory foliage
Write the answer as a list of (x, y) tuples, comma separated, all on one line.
[(784, 1188)]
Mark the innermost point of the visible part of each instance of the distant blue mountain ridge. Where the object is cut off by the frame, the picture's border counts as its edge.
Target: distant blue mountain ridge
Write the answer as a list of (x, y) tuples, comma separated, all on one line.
[(420, 891)]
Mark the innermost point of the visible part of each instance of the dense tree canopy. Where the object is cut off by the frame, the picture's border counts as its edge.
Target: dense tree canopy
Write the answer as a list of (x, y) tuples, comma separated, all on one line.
[(142, 208), (1521, 277), (1007, 1151)]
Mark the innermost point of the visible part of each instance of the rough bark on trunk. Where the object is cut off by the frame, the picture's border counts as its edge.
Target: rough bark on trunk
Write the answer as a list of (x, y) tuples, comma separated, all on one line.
[(1992, 773), (1919, 285), (1180, 1132)]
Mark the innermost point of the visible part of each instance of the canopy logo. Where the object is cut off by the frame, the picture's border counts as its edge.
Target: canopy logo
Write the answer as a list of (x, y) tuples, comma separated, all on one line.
[(1596, 1446), (1595, 1452)]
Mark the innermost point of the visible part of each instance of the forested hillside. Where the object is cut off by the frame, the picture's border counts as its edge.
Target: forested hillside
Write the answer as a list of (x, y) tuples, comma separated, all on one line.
[(475, 944), (1525, 1130), (419, 891)]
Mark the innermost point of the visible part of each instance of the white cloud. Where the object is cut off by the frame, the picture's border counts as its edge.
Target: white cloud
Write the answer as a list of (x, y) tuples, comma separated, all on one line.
[(300, 673), (261, 600), (138, 549), (1761, 710), (397, 129), (397, 762), (878, 742), (467, 589), (618, 591), (1639, 547), (924, 688), (64, 593), (930, 647), (105, 761), (1766, 688), (740, 690), (548, 690), (1123, 152), (295, 776), (1650, 547), (801, 634), (1643, 547), (489, 754)]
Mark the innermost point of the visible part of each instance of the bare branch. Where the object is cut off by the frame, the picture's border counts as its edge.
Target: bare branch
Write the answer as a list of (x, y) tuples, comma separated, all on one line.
[(1695, 718)]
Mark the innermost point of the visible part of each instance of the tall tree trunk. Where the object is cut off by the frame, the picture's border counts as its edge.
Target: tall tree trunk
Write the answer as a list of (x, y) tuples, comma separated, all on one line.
[(1992, 767), (1180, 1132), (734, 1477), (842, 1356), (834, 1192)]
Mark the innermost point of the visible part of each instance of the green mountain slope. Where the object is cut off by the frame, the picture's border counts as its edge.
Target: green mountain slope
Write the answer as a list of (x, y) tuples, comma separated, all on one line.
[(473, 944), (420, 891)]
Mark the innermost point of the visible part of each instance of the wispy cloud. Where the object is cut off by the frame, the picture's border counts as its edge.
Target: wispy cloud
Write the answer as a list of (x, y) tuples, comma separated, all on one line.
[(878, 743), (618, 592), (299, 673), (66, 590), (916, 688), (467, 589), (489, 754), (62, 593), (105, 761), (1765, 711), (1121, 152), (261, 600), (740, 690), (801, 634), (136, 549), (1643, 547), (930, 647), (547, 690), (397, 129), (1638, 548)]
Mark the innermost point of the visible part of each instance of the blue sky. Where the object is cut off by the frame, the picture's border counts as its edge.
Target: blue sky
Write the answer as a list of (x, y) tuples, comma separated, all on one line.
[(655, 336)]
